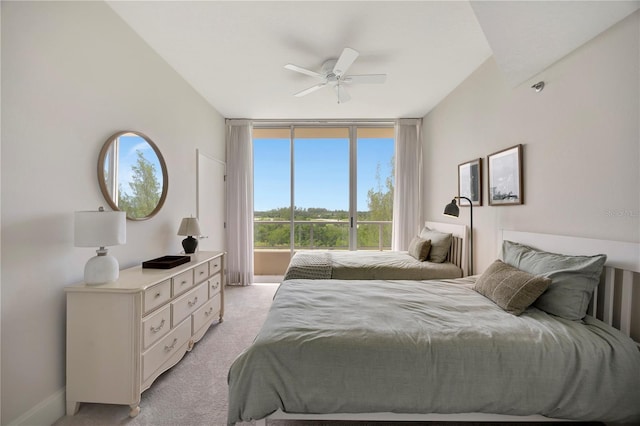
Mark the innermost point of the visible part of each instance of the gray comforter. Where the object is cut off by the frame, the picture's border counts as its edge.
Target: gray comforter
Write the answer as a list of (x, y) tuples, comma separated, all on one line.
[(428, 347), (366, 265)]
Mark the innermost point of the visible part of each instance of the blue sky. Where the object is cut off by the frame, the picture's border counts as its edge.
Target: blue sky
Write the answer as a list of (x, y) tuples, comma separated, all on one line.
[(321, 172), (128, 146)]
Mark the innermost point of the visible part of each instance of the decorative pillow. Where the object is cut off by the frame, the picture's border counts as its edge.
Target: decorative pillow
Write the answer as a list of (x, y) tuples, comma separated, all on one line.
[(440, 243), (419, 248), (574, 278), (510, 288)]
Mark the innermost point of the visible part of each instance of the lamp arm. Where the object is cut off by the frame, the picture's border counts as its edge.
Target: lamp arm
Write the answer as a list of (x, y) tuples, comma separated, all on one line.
[(470, 233)]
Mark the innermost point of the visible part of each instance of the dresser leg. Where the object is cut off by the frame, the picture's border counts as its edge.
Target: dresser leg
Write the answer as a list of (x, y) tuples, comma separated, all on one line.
[(72, 407), (135, 410)]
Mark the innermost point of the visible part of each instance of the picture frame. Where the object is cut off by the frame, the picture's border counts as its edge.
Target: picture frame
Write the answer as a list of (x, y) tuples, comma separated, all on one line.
[(505, 186), (470, 182)]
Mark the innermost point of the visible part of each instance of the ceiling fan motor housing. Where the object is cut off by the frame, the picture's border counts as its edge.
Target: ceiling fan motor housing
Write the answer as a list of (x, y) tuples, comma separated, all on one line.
[(327, 68)]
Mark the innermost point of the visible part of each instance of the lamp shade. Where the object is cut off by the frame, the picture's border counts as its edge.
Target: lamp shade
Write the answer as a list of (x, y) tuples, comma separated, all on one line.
[(189, 226), (99, 228), (452, 209)]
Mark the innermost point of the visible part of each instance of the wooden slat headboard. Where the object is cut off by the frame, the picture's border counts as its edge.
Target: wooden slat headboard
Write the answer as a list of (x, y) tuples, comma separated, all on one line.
[(617, 299), (458, 252)]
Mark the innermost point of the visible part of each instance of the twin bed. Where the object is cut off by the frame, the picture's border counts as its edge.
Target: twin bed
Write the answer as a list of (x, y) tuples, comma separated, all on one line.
[(371, 265), (434, 350)]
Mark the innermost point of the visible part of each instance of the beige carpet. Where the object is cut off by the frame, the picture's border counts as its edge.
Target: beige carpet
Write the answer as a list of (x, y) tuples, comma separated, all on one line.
[(194, 392)]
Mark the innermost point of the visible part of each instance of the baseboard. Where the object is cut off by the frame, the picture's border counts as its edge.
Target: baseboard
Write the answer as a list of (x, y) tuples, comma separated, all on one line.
[(45, 413)]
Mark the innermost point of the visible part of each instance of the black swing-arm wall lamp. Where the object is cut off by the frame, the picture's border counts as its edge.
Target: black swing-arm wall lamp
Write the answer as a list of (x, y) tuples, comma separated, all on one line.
[(453, 210)]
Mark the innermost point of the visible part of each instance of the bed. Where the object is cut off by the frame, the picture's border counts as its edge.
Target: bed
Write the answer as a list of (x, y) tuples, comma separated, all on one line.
[(367, 264), (391, 350)]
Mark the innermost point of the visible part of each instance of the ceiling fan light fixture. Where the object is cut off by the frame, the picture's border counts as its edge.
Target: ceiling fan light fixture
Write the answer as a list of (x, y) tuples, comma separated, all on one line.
[(333, 72)]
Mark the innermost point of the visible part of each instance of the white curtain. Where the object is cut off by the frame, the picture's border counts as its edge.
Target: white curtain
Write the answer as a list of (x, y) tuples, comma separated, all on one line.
[(407, 194), (239, 202)]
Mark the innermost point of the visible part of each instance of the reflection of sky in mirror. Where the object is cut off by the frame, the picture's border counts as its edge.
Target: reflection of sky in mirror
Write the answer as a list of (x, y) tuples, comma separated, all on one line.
[(129, 145)]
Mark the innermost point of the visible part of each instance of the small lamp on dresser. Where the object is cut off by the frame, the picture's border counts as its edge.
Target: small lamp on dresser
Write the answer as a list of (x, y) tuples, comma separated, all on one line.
[(100, 229), (189, 227)]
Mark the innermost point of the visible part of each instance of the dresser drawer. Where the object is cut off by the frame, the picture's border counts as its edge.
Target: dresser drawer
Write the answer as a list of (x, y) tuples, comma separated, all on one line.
[(155, 326), (201, 272), (183, 306), (182, 282), (214, 285), (206, 313), (215, 265), (157, 295), (164, 349)]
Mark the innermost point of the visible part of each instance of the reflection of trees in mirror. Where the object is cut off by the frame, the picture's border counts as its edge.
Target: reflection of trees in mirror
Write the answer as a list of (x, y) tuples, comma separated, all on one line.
[(145, 189)]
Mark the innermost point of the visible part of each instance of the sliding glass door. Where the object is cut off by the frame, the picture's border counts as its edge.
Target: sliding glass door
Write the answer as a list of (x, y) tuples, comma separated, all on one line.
[(323, 187)]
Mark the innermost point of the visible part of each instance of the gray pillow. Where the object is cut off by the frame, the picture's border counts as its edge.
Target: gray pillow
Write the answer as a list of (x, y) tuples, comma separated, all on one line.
[(419, 248), (510, 288), (574, 278), (440, 243)]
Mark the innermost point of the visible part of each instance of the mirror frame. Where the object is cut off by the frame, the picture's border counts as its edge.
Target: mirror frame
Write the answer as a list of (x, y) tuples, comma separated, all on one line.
[(101, 177)]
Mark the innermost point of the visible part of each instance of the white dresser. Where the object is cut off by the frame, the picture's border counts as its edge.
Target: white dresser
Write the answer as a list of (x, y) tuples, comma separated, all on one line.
[(121, 336)]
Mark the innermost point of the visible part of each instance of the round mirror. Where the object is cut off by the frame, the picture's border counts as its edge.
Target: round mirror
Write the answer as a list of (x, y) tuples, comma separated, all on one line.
[(133, 175)]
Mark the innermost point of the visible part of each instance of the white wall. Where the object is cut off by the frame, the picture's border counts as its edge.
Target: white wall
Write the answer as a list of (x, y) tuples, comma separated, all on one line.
[(72, 74), (580, 136)]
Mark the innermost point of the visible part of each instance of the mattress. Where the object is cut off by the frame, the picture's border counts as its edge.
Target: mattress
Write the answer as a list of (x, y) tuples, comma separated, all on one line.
[(366, 265), (429, 347)]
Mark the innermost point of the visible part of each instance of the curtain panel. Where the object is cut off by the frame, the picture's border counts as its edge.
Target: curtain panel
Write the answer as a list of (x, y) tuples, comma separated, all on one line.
[(239, 202), (407, 194)]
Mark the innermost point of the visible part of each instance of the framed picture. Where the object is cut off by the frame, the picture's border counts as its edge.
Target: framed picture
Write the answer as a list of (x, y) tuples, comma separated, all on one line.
[(505, 177), (470, 182)]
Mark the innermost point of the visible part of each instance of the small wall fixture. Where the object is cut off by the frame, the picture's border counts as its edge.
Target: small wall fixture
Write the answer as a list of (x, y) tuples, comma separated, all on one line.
[(189, 227), (100, 229), (538, 86)]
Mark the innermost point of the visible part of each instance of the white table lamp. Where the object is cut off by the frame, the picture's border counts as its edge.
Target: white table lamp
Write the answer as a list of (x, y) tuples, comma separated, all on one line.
[(189, 227), (100, 229)]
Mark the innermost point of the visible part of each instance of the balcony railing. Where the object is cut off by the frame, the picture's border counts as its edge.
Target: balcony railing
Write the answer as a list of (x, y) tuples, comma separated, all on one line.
[(321, 234)]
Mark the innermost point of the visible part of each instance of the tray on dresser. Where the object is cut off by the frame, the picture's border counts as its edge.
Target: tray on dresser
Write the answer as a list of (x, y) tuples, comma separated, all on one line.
[(166, 262)]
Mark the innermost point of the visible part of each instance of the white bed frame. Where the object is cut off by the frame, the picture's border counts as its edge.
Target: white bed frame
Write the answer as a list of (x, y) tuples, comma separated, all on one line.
[(458, 252), (613, 303)]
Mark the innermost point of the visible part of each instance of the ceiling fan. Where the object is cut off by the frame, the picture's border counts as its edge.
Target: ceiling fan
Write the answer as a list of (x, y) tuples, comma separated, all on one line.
[(334, 74)]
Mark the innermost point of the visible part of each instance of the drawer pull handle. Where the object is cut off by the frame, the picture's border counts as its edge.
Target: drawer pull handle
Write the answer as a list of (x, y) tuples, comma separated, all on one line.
[(158, 294), (209, 312), (156, 329), (173, 345), (190, 303), (201, 272), (215, 285), (183, 282)]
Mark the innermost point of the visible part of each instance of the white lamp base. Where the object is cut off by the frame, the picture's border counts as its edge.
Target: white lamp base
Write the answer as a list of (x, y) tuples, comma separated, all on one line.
[(101, 269)]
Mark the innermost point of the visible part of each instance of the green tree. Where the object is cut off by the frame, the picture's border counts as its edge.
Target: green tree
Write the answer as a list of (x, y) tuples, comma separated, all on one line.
[(145, 189), (380, 208)]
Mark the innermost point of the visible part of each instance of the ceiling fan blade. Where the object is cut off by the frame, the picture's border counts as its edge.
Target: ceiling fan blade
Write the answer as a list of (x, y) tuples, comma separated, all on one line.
[(303, 70), (365, 79), (343, 95), (310, 89), (345, 61)]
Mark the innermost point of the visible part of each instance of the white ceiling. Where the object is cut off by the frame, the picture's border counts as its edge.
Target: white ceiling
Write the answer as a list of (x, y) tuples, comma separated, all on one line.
[(233, 52)]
